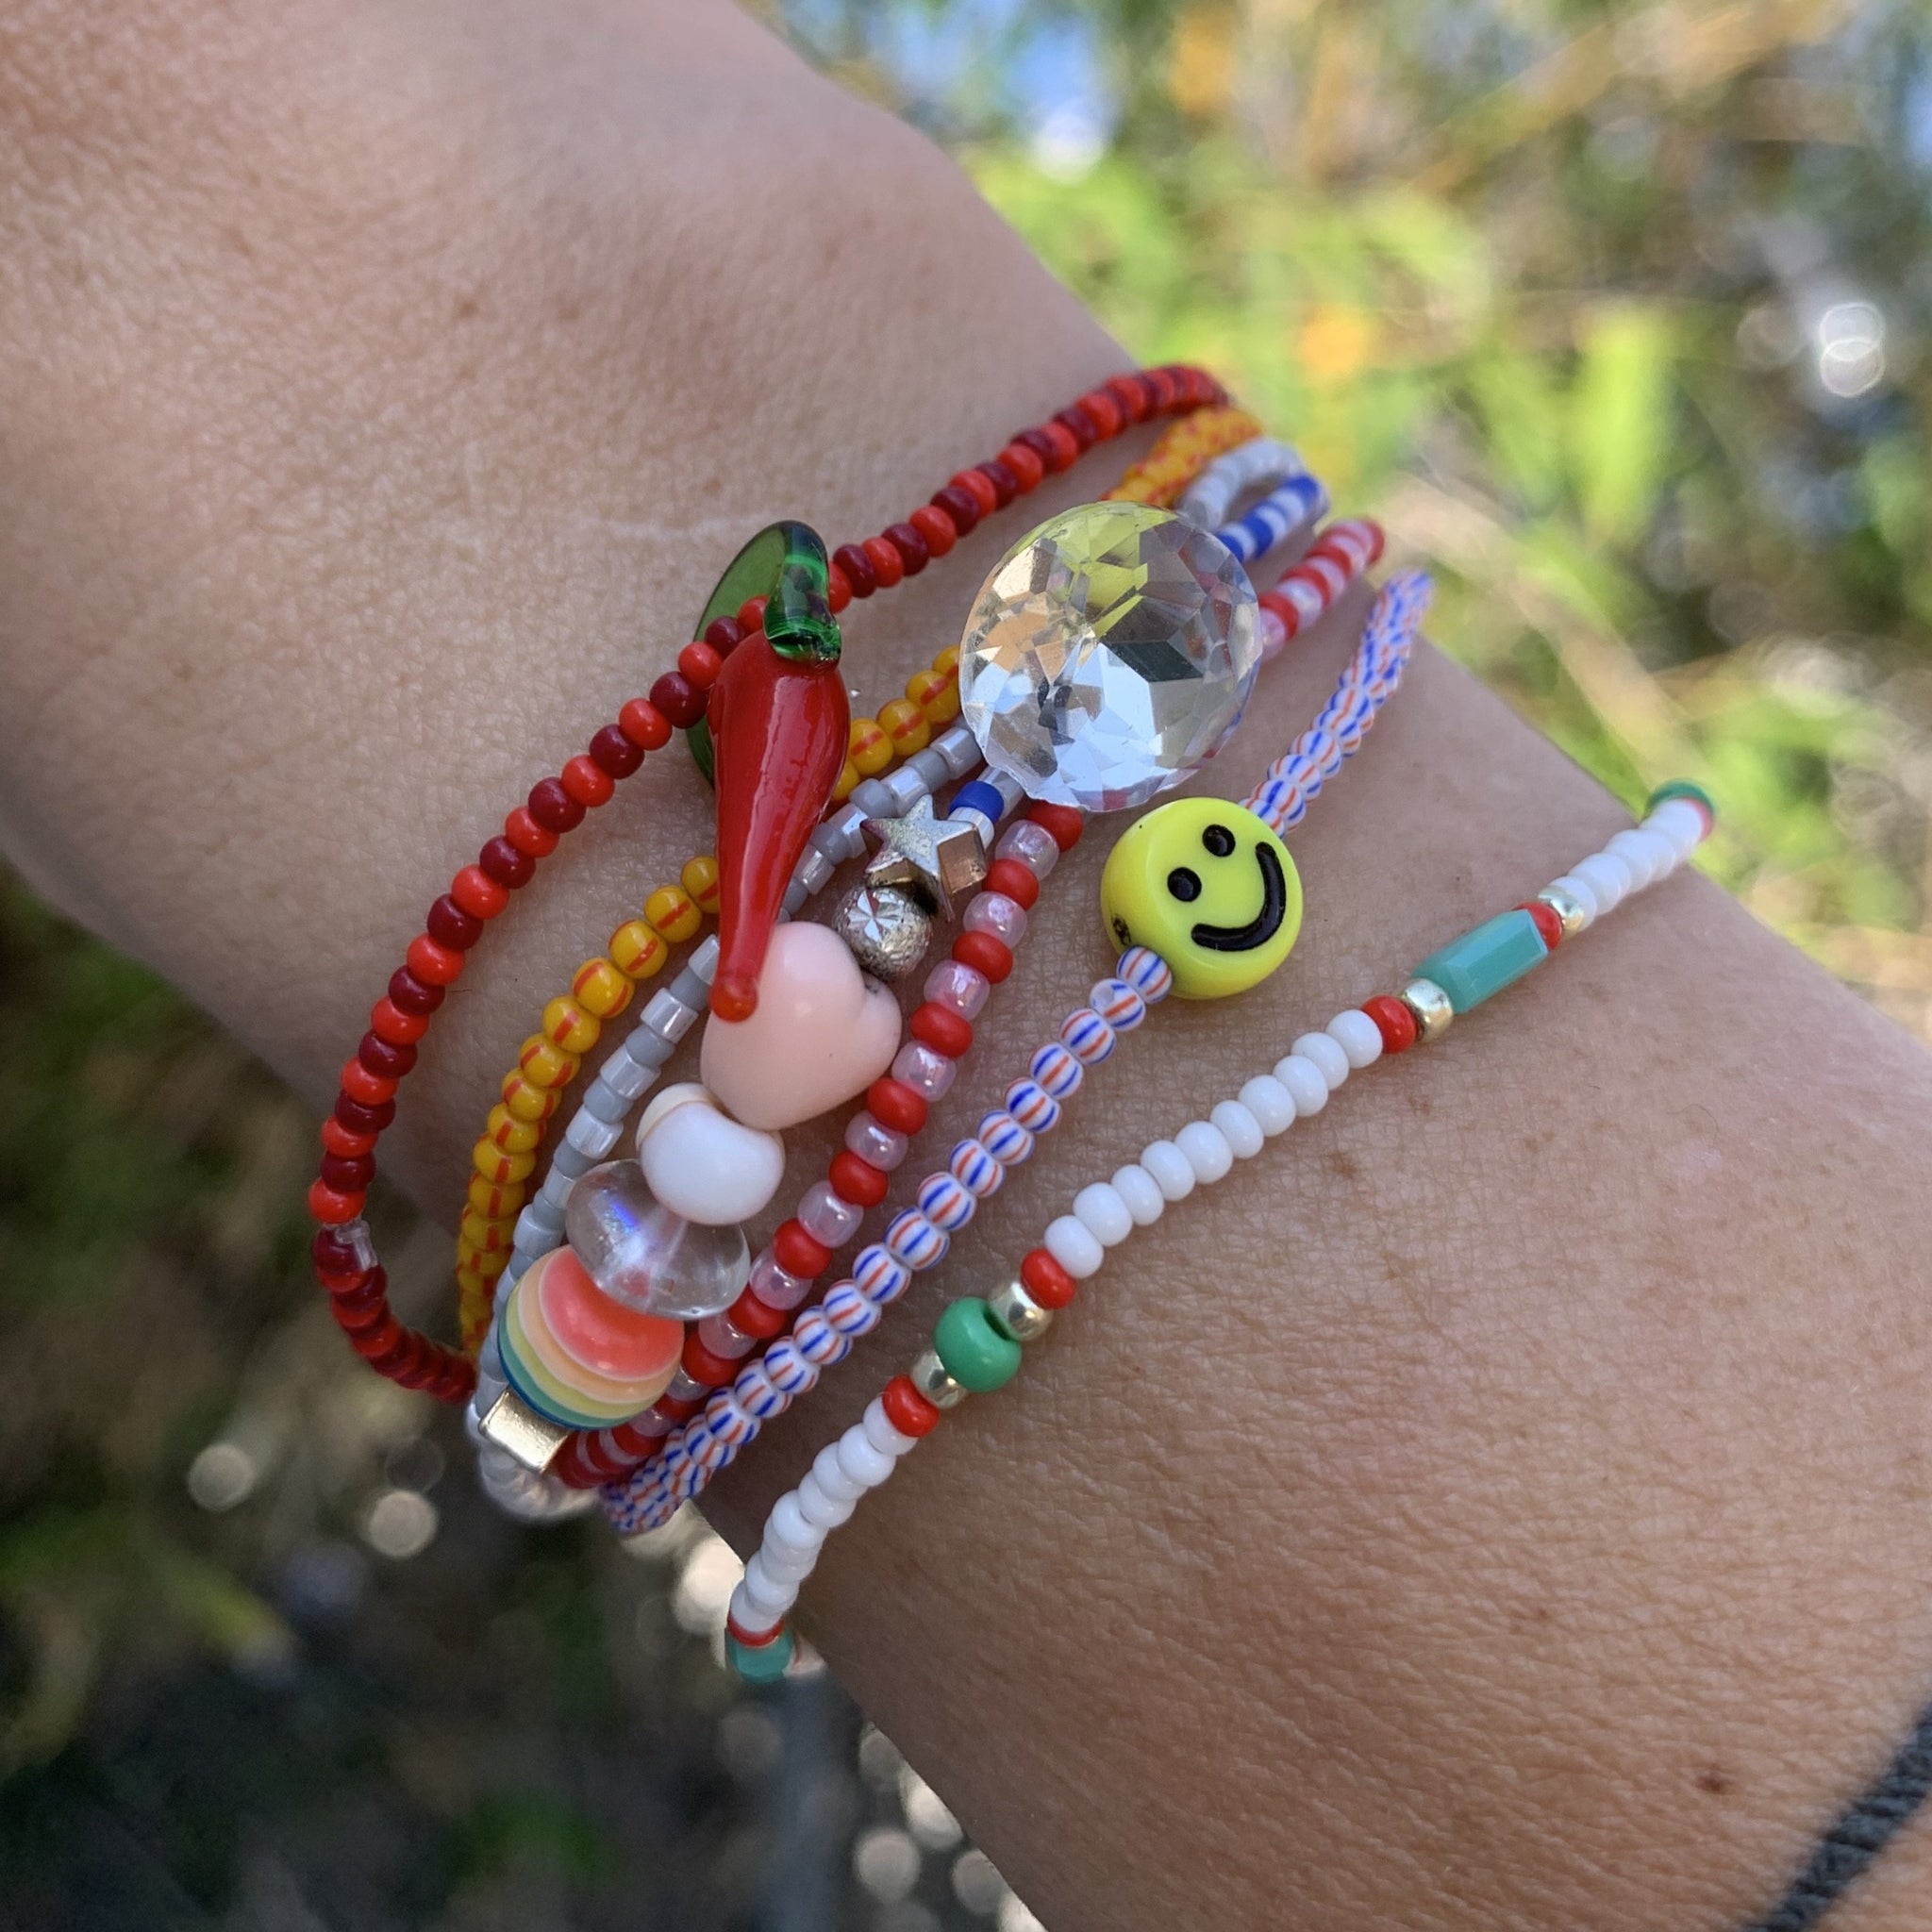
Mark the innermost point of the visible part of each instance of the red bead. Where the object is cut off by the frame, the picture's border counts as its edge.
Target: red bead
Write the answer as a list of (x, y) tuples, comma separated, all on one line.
[(329, 1207), (699, 665), (672, 695), (753, 1640), (939, 530), (412, 994), (555, 806), (907, 1409), (838, 588), (1132, 394), (858, 568), (331, 1254), (336, 1137), (1080, 426), (1005, 485), (1393, 1021), (751, 615), (432, 961), (942, 1029), (701, 1365), (1290, 617), (985, 953), (962, 505), (679, 1408), (475, 892), (506, 864), (644, 725), (1045, 1281), (979, 487), (527, 835), (1104, 412), (723, 635), (1162, 390), (345, 1174), (587, 781), (1548, 922), (896, 1105), (614, 754), (1027, 467), (799, 1252), (757, 1319), (382, 1059), (1063, 820), (359, 1119), (387, 1020), (1009, 875), (915, 553), (1056, 451), (855, 1180), (887, 566), (380, 1341)]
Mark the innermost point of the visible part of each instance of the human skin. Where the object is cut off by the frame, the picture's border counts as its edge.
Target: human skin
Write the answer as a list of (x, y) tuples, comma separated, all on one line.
[(1503, 1504)]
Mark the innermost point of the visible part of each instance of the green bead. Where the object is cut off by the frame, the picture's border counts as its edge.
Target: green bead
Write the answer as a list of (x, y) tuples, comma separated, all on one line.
[(1499, 952), (761, 1663), (969, 1343), (1681, 787)]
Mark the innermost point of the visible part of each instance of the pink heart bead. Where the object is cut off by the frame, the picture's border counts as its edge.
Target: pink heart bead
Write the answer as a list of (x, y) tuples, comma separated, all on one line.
[(822, 1032)]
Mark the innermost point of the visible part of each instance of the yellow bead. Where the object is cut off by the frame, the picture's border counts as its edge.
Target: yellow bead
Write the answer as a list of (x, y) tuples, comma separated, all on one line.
[(936, 695), (869, 748), (472, 1264), (904, 723), (846, 783), (494, 1200), (511, 1132), (637, 950), (543, 1064), (674, 912), (700, 879), (489, 1236), (948, 662), (495, 1163), (526, 1101), (600, 988), (566, 1025), (1207, 886)]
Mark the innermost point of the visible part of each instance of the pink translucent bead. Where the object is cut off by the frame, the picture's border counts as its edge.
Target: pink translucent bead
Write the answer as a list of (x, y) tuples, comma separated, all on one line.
[(995, 913), (877, 1146), (1274, 634), (960, 988), (928, 1073), (826, 1216), (1032, 845), (721, 1337), (777, 1286)]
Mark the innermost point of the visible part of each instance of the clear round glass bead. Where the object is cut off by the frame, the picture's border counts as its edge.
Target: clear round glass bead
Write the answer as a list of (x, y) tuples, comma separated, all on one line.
[(1109, 655), (777, 1286), (928, 1073), (723, 1339), (958, 988), (643, 1255), (826, 1216), (993, 913), (879, 1145), (1034, 846)]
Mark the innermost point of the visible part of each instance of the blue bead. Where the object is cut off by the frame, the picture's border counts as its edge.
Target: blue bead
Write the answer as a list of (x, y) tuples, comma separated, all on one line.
[(764, 1663), (977, 795), (1496, 953)]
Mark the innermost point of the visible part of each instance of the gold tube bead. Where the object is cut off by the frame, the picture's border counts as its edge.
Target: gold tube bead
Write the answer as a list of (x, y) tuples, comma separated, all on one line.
[(934, 1381), (1567, 907), (534, 1439), (1016, 1313), (1430, 1005)]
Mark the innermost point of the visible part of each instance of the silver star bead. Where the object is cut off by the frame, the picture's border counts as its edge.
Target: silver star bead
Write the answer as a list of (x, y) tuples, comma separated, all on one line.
[(932, 856)]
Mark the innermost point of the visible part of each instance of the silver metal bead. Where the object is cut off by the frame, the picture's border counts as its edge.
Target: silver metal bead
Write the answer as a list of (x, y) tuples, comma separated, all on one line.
[(1430, 1005), (533, 1439), (1016, 1312), (934, 1381), (1568, 908), (887, 928)]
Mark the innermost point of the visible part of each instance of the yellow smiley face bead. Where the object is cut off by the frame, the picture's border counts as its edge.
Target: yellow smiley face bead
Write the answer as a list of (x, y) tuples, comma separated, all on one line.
[(1209, 886)]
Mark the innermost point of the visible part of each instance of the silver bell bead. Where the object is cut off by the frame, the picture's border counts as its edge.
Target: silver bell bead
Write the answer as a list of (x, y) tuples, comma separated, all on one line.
[(885, 927)]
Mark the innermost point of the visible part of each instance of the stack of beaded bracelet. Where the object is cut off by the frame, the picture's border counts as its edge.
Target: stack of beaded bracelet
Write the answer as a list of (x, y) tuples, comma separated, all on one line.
[(978, 1344), (343, 1252)]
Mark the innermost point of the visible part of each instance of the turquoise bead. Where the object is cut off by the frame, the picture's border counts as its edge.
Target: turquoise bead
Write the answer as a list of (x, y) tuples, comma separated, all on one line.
[(764, 1663), (976, 1355), (1498, 953), (1681, 787)]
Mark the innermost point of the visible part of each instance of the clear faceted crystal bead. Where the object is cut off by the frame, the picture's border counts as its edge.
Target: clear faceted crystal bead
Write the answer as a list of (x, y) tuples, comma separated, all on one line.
[(1110, 655)]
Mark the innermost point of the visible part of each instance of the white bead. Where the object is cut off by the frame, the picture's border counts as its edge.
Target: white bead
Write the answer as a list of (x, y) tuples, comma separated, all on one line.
[(747, 1617), (1271, 1103), (1649, 857), (1141, 1192), (1580, 890), (1303, 1078), (787, 1527), (787, 1566), (1357, 1036), (1103, 1214), (701, 1163), (833, 1477), (880, 1433), (1609, 877), (865, 1464), (1680, 822), (1172, 1172), (1206, 1149), (765, 1593), (1327, 1056), (828, 1512), (1069, 1242), (1239, 1128)]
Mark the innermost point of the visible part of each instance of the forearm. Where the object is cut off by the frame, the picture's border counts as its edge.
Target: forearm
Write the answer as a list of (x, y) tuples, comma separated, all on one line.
[(1499, 1503)]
